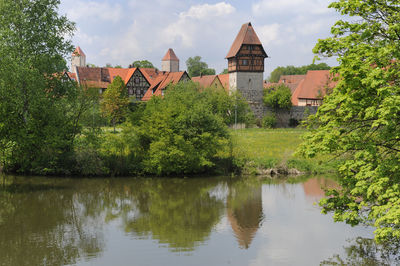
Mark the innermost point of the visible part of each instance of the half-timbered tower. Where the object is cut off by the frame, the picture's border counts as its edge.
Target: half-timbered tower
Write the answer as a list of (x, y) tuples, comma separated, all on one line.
[(170, 62), (246, 66), (78, 59)]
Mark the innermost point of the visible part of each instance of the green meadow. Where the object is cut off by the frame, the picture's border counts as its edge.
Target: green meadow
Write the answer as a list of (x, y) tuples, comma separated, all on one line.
[(275, 148)]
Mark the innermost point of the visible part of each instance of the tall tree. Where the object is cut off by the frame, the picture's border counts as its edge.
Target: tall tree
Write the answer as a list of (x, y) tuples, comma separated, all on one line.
[(115, 101), (360, 120), (143, 64), (292, 70), (196, 67), (36, 121)]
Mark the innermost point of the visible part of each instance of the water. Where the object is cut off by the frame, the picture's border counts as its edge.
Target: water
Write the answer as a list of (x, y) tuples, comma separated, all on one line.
[(201, 221)]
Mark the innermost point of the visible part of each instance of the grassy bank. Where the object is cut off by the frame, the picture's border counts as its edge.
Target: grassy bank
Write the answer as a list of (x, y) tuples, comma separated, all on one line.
[(258, 148)]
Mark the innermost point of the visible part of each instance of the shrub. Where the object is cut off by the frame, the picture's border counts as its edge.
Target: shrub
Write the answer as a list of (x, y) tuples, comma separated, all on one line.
[(269, 121)]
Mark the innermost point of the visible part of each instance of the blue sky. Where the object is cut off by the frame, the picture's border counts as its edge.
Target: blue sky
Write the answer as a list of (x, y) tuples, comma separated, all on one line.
[(122, 31)]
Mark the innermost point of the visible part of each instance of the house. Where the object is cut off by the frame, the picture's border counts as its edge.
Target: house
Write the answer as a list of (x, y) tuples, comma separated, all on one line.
[(140, 82), (309, 89)]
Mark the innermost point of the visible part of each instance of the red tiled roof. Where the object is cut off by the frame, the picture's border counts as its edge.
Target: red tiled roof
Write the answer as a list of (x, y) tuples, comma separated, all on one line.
[(156, 82), (224, 78), (291, 81), (205, 81), (72, 76), (101, 77), (162, 82), (78, 51), (315, 84), (246, 35), (170, 55)]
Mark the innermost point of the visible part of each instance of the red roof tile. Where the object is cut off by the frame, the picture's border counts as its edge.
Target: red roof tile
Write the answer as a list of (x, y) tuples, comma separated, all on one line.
[(315, 84), (246, 35), (170, 55), (291, 81), (224, 78), (78, 51), (204, 81), (162, 82)]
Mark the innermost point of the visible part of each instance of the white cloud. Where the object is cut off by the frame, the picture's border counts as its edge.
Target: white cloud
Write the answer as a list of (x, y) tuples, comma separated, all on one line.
[(197, 22), (100, 11), (265, 7), (269, 34)]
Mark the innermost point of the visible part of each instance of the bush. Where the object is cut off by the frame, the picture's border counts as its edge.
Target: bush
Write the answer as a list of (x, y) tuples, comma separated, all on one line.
[(293, 122), (180, 133), (269, 121)]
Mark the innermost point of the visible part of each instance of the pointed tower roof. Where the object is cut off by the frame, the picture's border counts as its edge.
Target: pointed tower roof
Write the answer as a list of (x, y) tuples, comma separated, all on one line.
[(170, 56), (246, 35), (78, 51)]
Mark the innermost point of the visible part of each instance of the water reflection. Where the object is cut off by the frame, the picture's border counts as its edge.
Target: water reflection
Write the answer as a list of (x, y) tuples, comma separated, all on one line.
[(364, 251), (68, 221), (41, 226), (244, 211)]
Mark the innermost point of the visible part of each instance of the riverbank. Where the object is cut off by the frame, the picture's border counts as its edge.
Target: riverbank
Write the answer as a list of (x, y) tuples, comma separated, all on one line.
[(272, 151)]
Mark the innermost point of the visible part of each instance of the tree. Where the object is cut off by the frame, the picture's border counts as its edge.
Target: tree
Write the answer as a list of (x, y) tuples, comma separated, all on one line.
[(115, 101), (180, 133), (196, 67), (37, 123), (142, 64), (225, 71), (278, 97), (292, 70), (360, 121)]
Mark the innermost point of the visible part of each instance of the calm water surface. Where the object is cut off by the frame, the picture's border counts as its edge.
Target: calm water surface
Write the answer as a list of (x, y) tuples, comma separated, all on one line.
[(202, 221)]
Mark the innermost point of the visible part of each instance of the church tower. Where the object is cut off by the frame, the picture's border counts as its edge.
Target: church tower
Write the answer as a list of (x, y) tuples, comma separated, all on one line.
[(246, 67), (170, 62), (78, 59)]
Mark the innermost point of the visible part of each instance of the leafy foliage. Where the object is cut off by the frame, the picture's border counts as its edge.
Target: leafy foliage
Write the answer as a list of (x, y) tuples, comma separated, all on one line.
[(360, 120), (278, 97), (292, 70), (115, 101), (39, 109), (196, 67), (143, 64), (180, 133), (269, 121)]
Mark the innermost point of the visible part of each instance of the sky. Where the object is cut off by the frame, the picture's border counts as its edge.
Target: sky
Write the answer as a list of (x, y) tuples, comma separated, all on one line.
[(120, 32)]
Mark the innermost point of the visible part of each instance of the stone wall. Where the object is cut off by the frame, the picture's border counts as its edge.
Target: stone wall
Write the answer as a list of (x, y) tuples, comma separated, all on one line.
[(297, 113)]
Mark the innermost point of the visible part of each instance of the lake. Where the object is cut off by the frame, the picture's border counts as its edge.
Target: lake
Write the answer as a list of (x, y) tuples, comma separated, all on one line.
[(190, 221)]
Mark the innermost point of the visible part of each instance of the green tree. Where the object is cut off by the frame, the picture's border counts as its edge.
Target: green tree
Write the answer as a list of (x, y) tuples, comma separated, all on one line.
[(37, 123), (143, 64), (180, 134), (225, 71), (360, 120), (115, 101), (196, 67), (292, 70), (278, 97)]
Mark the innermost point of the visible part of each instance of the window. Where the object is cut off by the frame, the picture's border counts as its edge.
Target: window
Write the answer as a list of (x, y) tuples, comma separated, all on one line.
[(245, 62)]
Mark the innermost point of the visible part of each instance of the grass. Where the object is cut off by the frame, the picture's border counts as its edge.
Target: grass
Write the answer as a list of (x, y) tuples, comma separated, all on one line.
[(271, 148)]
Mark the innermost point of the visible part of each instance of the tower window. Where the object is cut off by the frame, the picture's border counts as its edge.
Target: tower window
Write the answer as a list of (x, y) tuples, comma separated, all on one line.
[(245, 62)]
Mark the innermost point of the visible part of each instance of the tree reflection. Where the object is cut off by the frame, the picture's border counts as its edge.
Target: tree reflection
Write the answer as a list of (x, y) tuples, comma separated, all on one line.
[(177, 212), (364, 251), (41, 225), (244, 210)]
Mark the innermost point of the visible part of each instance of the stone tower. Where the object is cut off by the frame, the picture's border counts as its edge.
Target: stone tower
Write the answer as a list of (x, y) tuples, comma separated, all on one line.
[(246, 67), (170, 62), (78, 59)]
